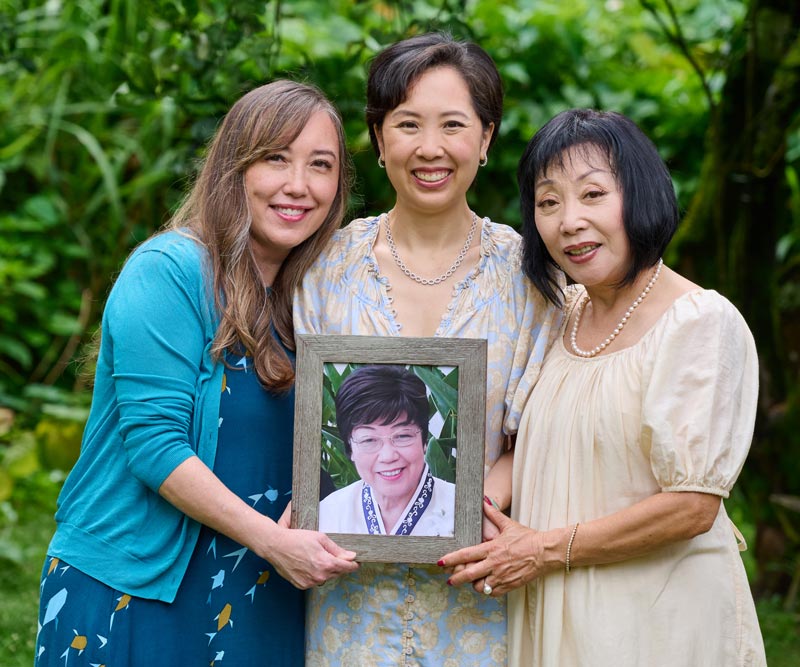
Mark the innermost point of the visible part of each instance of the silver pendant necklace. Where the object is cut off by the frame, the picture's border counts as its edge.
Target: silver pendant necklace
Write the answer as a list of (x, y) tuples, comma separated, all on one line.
[(597, 350), (429, 281)]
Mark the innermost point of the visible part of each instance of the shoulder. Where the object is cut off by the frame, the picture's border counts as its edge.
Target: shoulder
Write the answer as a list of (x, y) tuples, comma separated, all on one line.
[(353, 237), (348, 246), (166, 265), (333, 506), (502, 242), (572, 295), (502, 267), (705, 305), (178, 247), (443, 488), (705, 320), (501, 256), (340, 495)]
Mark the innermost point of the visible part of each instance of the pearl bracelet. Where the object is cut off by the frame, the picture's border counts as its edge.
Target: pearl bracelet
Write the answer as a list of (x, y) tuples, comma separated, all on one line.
[(569, 547)]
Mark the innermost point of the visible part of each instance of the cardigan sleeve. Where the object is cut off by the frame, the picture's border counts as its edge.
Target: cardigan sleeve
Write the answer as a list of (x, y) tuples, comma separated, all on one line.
[(158, 323)]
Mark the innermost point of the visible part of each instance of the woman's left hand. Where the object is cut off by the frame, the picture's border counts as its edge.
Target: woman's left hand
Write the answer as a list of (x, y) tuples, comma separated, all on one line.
[(510, 560)]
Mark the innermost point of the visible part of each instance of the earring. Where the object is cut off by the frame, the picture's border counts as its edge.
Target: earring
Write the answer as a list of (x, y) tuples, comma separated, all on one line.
[(484, 161), (381, 163)]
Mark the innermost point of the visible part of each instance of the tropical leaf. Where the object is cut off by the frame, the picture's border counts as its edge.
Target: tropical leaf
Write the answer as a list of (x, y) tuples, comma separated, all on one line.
[(444, 395), (440, 459)]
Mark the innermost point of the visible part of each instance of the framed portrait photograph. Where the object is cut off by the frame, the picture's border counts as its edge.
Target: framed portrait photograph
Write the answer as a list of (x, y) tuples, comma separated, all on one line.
[(389, 444)]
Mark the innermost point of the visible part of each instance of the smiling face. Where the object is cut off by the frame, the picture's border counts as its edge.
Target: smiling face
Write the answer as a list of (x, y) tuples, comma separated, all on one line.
[(432, 142), (392, 471), (578, 214), (289, 192)]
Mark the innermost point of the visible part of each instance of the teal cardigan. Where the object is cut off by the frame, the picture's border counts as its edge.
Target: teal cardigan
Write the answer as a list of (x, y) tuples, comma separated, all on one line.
[(155, 404)]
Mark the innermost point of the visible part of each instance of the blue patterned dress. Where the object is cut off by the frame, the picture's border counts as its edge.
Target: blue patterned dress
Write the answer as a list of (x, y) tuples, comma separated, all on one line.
[(232, 608), (393, 614)]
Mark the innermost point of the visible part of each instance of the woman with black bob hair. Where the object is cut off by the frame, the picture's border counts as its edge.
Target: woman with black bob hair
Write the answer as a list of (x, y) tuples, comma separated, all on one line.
[(430, 266), (649, 208), (619, 551)]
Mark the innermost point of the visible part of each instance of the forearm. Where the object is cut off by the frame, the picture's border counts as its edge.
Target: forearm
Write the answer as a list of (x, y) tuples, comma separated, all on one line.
[(518, 554), (304, 558), (655, 522), (195, 490), (497, 485)]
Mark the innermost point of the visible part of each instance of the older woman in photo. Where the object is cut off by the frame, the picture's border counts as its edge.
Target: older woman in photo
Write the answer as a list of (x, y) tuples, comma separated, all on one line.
[(382, 415)]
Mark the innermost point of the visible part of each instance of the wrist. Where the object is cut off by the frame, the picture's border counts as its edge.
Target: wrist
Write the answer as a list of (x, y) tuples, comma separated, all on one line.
[(263, 536), (568, 562), (554, 544), (498, 500)]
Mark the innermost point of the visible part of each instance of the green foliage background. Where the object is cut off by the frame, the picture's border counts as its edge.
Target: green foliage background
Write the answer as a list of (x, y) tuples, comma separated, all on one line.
[(107, 105)]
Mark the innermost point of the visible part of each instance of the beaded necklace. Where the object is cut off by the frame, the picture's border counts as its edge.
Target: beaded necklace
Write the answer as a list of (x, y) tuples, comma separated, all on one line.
[(597, 350)]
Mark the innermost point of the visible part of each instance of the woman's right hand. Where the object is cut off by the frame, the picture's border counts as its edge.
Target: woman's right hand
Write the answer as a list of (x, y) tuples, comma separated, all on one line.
[(308, 558), (305, 558)]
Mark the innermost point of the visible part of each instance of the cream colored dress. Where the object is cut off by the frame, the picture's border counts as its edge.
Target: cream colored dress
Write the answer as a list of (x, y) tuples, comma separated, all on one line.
[(674, 412)]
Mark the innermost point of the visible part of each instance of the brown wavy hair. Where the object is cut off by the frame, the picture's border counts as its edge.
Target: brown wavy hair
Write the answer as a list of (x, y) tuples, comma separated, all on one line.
[(265, 120)]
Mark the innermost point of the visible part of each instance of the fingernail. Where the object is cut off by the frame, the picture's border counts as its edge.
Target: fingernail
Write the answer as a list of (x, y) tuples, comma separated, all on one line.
[(440, 562), (449, 583), (487, 500)]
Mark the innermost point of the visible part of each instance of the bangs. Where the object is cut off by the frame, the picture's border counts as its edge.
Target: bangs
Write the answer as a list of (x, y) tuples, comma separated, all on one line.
[(385, 409), (555, 150), (277, 133)]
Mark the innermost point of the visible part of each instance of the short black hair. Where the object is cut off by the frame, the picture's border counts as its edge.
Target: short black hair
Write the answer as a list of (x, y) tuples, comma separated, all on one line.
[(649, 205), (397, 68), (380, 393)]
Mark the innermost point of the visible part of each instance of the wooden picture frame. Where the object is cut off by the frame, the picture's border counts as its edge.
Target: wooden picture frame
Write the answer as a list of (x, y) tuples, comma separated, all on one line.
[(468, 356)]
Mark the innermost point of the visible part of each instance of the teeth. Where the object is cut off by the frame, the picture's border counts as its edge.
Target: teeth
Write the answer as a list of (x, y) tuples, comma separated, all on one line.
[(583, 250), (431, 176), (390, 473), (289, 211)]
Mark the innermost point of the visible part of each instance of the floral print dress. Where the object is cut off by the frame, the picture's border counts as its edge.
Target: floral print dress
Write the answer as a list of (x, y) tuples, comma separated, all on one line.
[(232, 609)]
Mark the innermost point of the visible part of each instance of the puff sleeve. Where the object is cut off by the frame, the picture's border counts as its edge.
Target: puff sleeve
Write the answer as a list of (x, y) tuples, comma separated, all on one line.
[(701, 392)]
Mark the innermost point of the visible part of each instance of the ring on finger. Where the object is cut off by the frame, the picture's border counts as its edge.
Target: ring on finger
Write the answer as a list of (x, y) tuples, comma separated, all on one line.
[(487, 589)]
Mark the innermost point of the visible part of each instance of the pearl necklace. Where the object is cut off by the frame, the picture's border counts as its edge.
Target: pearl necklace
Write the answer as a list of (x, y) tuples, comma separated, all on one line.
[(430, 281), (595, 351)]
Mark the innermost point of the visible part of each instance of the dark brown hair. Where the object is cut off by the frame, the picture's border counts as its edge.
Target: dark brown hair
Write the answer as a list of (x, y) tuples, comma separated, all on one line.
[(397, 68), (380, 394)]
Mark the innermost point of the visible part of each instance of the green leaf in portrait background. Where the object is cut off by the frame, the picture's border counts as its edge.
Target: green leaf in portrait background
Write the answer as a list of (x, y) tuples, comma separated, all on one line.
[(440, 459), (450, 428), (444, 395), (334, 459)]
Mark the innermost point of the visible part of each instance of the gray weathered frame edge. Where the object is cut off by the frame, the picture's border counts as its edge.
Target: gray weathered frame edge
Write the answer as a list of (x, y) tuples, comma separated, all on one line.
[(469, 355)]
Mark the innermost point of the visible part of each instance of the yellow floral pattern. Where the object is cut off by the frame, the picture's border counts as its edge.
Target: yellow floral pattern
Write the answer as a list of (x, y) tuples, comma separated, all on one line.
[(395, 614)]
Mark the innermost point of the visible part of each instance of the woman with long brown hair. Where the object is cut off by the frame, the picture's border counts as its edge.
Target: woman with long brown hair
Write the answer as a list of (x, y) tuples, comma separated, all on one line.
[(166, 549)]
